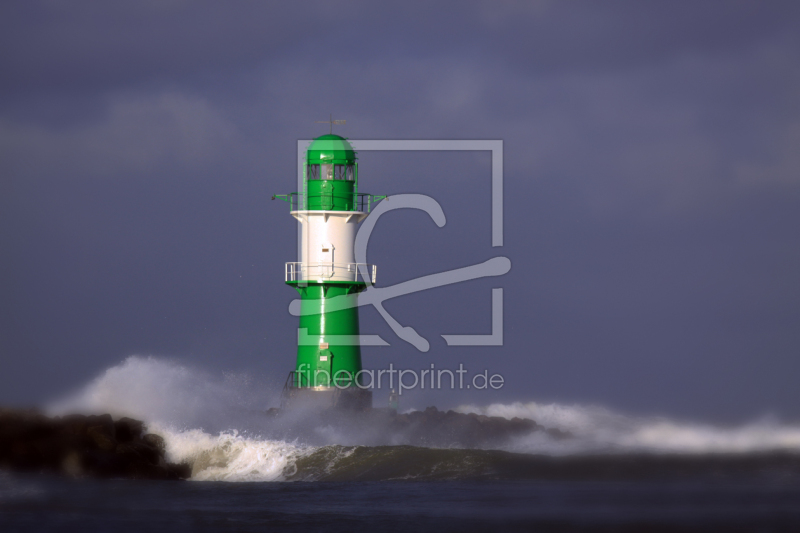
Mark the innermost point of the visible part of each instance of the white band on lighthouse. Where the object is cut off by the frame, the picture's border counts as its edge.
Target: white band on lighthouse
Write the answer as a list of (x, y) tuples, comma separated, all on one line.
[(327, 249)]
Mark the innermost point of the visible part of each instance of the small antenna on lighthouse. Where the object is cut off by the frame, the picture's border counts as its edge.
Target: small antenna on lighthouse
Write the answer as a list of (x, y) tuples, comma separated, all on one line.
[(331, 122)]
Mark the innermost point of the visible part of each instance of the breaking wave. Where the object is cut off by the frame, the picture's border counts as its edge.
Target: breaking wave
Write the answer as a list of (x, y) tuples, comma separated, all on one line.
[(219, 425)]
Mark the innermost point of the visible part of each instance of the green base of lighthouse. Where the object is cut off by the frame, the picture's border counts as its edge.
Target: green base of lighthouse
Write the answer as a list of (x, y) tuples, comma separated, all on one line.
[(328, 352)]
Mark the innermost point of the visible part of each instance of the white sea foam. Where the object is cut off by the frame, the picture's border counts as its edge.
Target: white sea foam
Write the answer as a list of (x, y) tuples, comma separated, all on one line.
[(232, 457), (218, 424), (597, 429)]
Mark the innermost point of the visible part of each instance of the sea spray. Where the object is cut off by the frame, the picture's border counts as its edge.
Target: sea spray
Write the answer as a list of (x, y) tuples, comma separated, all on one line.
[(599, 430), (218, 423), (172, 394)]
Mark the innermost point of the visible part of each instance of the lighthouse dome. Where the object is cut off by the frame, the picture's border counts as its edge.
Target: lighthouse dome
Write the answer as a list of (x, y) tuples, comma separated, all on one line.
[(330, 148)]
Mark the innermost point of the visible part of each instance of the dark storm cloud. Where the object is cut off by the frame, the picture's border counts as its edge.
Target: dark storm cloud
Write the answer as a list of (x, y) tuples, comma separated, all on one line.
[(651, 186), (53, 46)]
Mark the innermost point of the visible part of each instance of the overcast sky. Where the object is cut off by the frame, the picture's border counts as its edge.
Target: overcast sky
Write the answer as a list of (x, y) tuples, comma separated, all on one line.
[(652, 190)]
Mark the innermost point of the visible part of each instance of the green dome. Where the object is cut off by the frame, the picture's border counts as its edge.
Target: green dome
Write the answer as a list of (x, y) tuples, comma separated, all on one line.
[(329, 149)]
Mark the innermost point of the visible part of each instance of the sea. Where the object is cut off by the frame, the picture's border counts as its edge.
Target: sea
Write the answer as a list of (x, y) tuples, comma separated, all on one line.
[(615, 471)]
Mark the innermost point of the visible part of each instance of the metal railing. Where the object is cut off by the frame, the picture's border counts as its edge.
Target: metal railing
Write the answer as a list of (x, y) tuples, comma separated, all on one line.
[(331, 272), (290, 198), (363, 202), (296, 379)]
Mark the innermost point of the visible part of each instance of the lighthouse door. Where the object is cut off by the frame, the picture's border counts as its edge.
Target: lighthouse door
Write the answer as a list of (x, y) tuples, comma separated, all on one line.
[(325, 259), (326, 193)]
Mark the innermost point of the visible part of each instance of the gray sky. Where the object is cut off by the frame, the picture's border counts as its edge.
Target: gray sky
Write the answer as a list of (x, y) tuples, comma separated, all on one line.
[(652, 186)]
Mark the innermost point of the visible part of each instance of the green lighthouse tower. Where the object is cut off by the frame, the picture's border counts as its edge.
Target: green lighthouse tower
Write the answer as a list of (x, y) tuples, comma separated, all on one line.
[(329, 209)]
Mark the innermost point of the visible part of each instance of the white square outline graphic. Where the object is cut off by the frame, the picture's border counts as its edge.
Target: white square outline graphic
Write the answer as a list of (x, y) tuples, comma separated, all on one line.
[(493, 146)]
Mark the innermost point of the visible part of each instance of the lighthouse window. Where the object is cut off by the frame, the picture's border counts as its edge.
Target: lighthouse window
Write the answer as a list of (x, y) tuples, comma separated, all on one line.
[(327, 172), (313, 172), (344, 172)]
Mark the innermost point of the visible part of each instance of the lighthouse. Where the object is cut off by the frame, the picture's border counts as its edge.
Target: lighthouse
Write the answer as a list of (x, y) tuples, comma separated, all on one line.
[(329, 209)]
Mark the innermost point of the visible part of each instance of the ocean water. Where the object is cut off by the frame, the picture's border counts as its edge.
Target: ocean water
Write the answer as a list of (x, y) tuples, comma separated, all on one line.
[(252, 473), (35, 504)]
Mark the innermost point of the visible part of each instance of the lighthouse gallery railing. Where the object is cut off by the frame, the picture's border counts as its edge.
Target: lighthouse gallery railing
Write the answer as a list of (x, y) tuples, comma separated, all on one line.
[(331, 272)]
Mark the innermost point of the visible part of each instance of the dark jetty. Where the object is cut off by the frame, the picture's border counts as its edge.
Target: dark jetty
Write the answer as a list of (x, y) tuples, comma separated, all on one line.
[(428, 428), (435, 428), (83, 446)]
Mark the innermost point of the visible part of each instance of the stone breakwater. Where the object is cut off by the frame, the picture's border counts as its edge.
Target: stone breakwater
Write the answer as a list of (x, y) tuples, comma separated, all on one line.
[(428, 428), (83, 446)]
